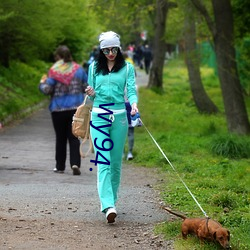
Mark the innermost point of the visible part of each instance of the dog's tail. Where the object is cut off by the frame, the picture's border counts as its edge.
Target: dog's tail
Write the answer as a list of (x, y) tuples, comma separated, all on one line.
[(175, 213)]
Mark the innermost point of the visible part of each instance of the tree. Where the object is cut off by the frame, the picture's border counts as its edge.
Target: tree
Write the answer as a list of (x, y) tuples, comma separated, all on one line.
[(242, 33), (201, 99), (127, 17), (28, 33), (223, 38), (159, 46)]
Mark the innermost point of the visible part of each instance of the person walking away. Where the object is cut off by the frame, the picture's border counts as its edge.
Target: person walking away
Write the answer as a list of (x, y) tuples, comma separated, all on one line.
[(147, 54), (139, 56), (108, 78), (65, 84)]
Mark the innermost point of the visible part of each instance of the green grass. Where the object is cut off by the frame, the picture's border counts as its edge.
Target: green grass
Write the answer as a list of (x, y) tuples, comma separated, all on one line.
[(214, 164), (19, 88)]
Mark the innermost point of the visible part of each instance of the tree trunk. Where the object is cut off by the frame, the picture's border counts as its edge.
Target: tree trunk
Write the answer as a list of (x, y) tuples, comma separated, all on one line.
[(159, 47), (235, 109), (223, 38), (201, 99)]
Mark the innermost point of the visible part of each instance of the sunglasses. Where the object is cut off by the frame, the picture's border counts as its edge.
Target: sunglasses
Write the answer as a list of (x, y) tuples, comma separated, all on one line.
[(106, 51)]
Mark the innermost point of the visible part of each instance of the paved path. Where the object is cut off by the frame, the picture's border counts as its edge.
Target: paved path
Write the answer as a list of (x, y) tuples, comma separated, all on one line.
[(141, 78), (26, 163), (31, 191)]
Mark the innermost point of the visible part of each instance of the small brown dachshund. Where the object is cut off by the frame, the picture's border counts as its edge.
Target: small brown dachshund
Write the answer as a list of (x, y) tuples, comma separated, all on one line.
[(204, 229)]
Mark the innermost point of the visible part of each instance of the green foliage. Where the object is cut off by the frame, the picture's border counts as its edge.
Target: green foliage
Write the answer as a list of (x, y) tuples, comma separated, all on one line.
[(219, 183), (175, 25), (231, 146), (224, 200), (128, 18), (170, 230), (241, 17), (19, 87), (243, 59), (29, 33)]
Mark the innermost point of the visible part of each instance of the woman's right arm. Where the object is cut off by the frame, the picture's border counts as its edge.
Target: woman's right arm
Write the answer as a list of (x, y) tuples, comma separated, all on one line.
[(46, 85)]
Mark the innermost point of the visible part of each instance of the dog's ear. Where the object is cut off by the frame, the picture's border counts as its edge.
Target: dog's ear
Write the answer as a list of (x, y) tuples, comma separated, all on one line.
[(228, 237), (214, 235)]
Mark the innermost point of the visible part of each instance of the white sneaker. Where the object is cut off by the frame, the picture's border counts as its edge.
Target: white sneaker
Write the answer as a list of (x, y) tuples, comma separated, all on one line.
[(58, 171), (111, 214), (129, 156), (76, 170)]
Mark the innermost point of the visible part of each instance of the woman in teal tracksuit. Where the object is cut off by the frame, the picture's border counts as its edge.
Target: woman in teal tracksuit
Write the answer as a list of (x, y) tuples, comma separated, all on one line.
[(108, 77)]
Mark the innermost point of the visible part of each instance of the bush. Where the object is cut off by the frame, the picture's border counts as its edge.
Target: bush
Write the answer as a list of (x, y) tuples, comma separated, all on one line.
[(223, 200), (231, 146), (19, 88)]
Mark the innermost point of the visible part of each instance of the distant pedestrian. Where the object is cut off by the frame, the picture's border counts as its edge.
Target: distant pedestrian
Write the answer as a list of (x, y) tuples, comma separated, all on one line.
[(93, 55), (138, 56), (65, 84), (147, 54)]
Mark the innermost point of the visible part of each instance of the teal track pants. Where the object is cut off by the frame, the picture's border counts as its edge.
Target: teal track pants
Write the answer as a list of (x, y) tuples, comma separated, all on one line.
[(108, 175)]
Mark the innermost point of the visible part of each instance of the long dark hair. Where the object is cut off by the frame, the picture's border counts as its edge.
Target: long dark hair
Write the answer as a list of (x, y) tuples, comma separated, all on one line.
[(101, 63)]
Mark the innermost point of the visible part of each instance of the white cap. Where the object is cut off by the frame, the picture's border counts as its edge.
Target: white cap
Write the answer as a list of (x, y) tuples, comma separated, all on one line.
[(109, 39)]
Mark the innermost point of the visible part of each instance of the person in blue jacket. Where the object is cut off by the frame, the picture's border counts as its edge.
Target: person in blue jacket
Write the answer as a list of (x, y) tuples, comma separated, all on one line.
[(108, 77), (65, 83)]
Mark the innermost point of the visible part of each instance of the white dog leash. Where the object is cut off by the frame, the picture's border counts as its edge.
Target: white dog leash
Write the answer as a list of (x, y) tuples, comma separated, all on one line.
[(174, 170)]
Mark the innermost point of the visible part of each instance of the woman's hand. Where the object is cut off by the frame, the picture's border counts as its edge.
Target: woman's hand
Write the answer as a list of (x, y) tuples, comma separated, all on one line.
[(134, 109), (90, 91)]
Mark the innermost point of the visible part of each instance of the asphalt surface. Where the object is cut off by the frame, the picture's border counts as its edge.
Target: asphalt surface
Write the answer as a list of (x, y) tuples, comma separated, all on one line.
[(29, 189), (26, 164)]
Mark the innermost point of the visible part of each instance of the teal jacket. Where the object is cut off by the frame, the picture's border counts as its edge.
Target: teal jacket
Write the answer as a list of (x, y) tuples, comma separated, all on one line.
[(111, 88)]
